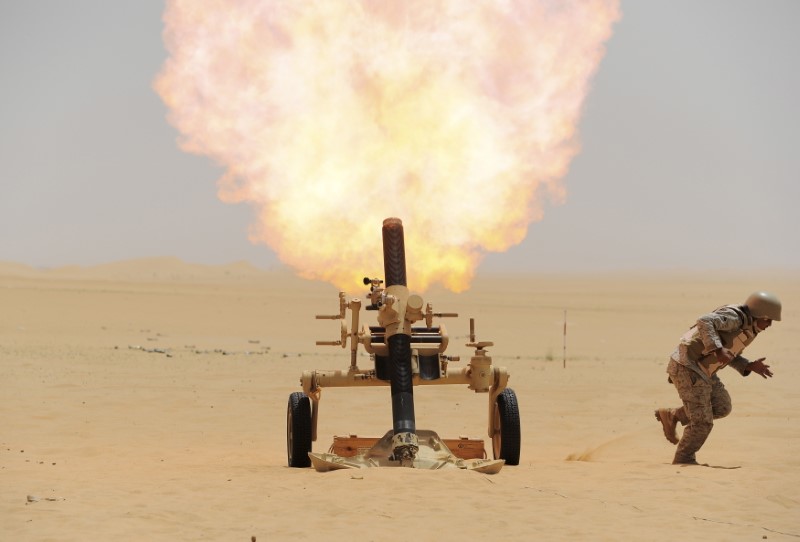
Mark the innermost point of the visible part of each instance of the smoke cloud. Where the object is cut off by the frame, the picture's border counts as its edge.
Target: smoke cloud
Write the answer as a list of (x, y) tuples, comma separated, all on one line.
[(458, 117)]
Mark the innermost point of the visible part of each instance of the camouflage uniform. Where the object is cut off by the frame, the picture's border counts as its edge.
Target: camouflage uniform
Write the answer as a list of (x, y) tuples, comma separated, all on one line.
[(704, 396)]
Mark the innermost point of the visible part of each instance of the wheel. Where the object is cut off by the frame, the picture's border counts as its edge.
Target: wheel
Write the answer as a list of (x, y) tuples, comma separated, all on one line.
[(298, 430), (506, 439)]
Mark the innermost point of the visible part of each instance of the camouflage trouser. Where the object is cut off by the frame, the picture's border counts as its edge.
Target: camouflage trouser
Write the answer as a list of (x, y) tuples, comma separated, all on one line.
[(703, 403)]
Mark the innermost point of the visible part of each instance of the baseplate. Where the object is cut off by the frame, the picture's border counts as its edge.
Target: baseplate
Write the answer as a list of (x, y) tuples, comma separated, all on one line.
[(352, 445)]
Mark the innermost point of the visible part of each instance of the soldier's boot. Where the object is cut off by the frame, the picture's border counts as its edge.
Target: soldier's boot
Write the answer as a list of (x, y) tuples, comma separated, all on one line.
[(669, 422), (692, 440), (691, 460)]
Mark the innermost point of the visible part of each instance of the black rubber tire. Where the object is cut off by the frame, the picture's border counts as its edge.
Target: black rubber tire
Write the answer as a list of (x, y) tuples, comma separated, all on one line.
[(507, 442), (298, 430), (394, 253)]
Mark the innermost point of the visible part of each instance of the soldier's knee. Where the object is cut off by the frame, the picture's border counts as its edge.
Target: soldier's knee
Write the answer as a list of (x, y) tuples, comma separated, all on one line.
[(720, 411)]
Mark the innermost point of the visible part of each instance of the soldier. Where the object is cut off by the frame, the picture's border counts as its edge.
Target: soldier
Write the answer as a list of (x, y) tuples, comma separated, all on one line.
[(715, 341)]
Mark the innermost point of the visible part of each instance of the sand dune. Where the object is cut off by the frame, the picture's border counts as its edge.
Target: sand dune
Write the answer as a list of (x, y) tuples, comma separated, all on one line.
[(146, 400)]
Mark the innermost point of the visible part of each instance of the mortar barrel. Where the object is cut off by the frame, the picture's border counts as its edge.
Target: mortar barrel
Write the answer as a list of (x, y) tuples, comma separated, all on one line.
[(394, 253), (403, 417), (399, 344)]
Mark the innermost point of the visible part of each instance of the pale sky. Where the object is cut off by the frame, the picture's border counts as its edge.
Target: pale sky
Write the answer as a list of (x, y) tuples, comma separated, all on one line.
[(689, 143)]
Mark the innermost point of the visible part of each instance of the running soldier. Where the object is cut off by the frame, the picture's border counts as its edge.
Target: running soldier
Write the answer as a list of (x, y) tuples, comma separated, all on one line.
[(715, 341)]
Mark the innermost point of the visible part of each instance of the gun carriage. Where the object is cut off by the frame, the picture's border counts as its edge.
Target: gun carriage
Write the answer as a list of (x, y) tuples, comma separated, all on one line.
[(407, 349)]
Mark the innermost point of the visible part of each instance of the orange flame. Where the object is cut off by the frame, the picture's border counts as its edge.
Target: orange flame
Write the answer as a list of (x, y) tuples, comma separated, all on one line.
[(458, 117)]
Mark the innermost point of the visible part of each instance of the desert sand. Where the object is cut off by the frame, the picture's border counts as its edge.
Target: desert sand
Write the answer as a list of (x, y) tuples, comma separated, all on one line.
[(146, 400)]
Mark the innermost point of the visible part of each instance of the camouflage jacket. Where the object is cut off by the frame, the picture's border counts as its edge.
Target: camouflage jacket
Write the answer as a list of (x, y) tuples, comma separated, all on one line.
[(731, 327)]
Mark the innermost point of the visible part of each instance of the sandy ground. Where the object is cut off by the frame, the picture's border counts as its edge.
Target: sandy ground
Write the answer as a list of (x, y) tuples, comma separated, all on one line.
[(147, 400)]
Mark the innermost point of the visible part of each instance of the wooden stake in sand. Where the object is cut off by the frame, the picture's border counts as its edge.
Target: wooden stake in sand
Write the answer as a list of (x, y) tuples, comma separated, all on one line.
[(565, 339)]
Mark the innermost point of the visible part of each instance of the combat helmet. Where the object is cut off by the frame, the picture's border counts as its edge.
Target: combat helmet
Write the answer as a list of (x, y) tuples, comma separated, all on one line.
[(764, 305)]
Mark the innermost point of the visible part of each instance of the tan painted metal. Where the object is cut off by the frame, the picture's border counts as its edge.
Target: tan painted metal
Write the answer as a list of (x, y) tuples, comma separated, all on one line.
[(398, 311)]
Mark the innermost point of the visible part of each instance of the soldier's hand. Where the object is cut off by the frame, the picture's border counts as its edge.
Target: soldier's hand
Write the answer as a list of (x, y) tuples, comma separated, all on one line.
[(759, 367)]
